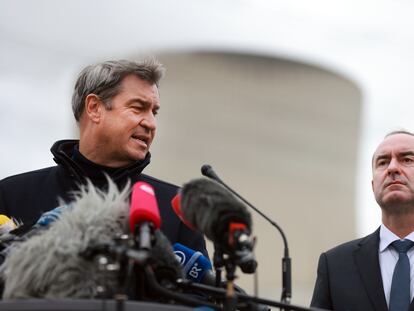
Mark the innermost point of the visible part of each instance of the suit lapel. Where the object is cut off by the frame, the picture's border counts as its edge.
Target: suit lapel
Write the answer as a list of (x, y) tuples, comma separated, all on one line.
[(367, 262)]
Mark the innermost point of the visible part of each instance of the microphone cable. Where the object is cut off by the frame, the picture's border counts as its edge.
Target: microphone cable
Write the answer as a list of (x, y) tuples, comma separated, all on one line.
[(171, 294)]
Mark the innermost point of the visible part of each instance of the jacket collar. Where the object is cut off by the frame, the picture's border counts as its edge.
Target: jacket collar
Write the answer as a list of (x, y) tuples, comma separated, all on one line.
[(367, 262), (66, 154)]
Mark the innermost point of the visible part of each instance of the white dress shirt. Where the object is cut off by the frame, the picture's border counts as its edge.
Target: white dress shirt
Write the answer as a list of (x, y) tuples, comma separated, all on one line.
[(388, 258)]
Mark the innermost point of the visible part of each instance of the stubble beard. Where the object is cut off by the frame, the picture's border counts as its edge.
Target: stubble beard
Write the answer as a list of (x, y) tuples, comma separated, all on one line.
[(397, 207)]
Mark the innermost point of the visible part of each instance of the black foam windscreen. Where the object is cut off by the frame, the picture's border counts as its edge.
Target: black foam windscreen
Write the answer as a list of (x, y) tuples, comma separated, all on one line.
[(210, 208), (163, 261)]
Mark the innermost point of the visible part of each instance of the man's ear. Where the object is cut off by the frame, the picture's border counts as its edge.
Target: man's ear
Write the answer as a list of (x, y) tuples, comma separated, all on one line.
[(372, 184), (93, 108)]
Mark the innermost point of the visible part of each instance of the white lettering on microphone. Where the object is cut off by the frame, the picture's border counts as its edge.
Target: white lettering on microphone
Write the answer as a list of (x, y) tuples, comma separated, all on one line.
[(194, 271)]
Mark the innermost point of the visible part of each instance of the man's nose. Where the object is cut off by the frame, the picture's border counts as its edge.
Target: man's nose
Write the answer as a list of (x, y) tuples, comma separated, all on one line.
[(148, 121), (393, 167)]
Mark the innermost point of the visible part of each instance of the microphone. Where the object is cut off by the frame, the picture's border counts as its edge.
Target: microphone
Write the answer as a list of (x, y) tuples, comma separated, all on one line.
[(163, 259), (208, 171), (26, 230), (6, 224), (176, 204), (144, 216), (65, 261), (196, 267), (50, 264), (210, 208), (47, 218)]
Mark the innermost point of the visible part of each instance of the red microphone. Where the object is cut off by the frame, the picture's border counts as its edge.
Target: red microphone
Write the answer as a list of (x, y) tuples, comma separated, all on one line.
[(176, 204), (144, 215)]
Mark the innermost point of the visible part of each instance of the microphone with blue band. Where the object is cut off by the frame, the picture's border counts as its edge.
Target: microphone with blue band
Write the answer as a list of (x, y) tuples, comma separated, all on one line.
[(51, 216), (198, 269), (195, 265)]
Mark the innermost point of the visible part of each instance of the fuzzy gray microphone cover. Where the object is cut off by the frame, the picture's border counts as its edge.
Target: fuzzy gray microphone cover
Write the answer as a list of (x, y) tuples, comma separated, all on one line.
[(49, 264)]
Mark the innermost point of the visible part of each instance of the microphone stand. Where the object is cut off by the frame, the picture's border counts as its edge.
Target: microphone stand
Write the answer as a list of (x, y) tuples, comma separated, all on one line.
[(124, 254), (236, 251), (171, 294), (143, 239), (286, 295), (230, 302), (144, 235)]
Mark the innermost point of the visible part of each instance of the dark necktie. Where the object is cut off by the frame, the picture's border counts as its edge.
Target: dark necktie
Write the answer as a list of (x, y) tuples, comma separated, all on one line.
[(400, 286)]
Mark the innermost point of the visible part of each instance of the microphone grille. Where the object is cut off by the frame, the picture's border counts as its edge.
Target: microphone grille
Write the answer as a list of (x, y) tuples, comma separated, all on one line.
[(206, 170)]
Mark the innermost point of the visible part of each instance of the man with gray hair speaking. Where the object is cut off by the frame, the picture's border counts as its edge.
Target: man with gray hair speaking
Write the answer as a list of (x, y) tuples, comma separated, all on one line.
[(376, 272), (115, 104)]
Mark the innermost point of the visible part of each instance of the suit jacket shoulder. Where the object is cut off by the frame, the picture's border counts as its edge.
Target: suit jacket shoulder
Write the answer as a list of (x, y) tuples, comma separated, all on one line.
[(344, 249), (349, 277), (26, 196)]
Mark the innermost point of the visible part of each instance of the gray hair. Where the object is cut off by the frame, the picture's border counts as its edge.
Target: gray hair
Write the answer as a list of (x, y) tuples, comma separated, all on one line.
[(104, 80)]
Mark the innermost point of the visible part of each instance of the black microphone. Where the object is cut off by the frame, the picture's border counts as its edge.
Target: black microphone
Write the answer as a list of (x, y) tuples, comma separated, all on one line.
[(163, 260), (208, 171), (213, 210)]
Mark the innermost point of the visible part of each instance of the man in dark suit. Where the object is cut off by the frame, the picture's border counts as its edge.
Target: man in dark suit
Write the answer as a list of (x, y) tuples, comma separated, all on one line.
[(372, 273)]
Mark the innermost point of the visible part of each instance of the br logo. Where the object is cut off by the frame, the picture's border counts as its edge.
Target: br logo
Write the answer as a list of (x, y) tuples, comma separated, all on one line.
[(194, 271)]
